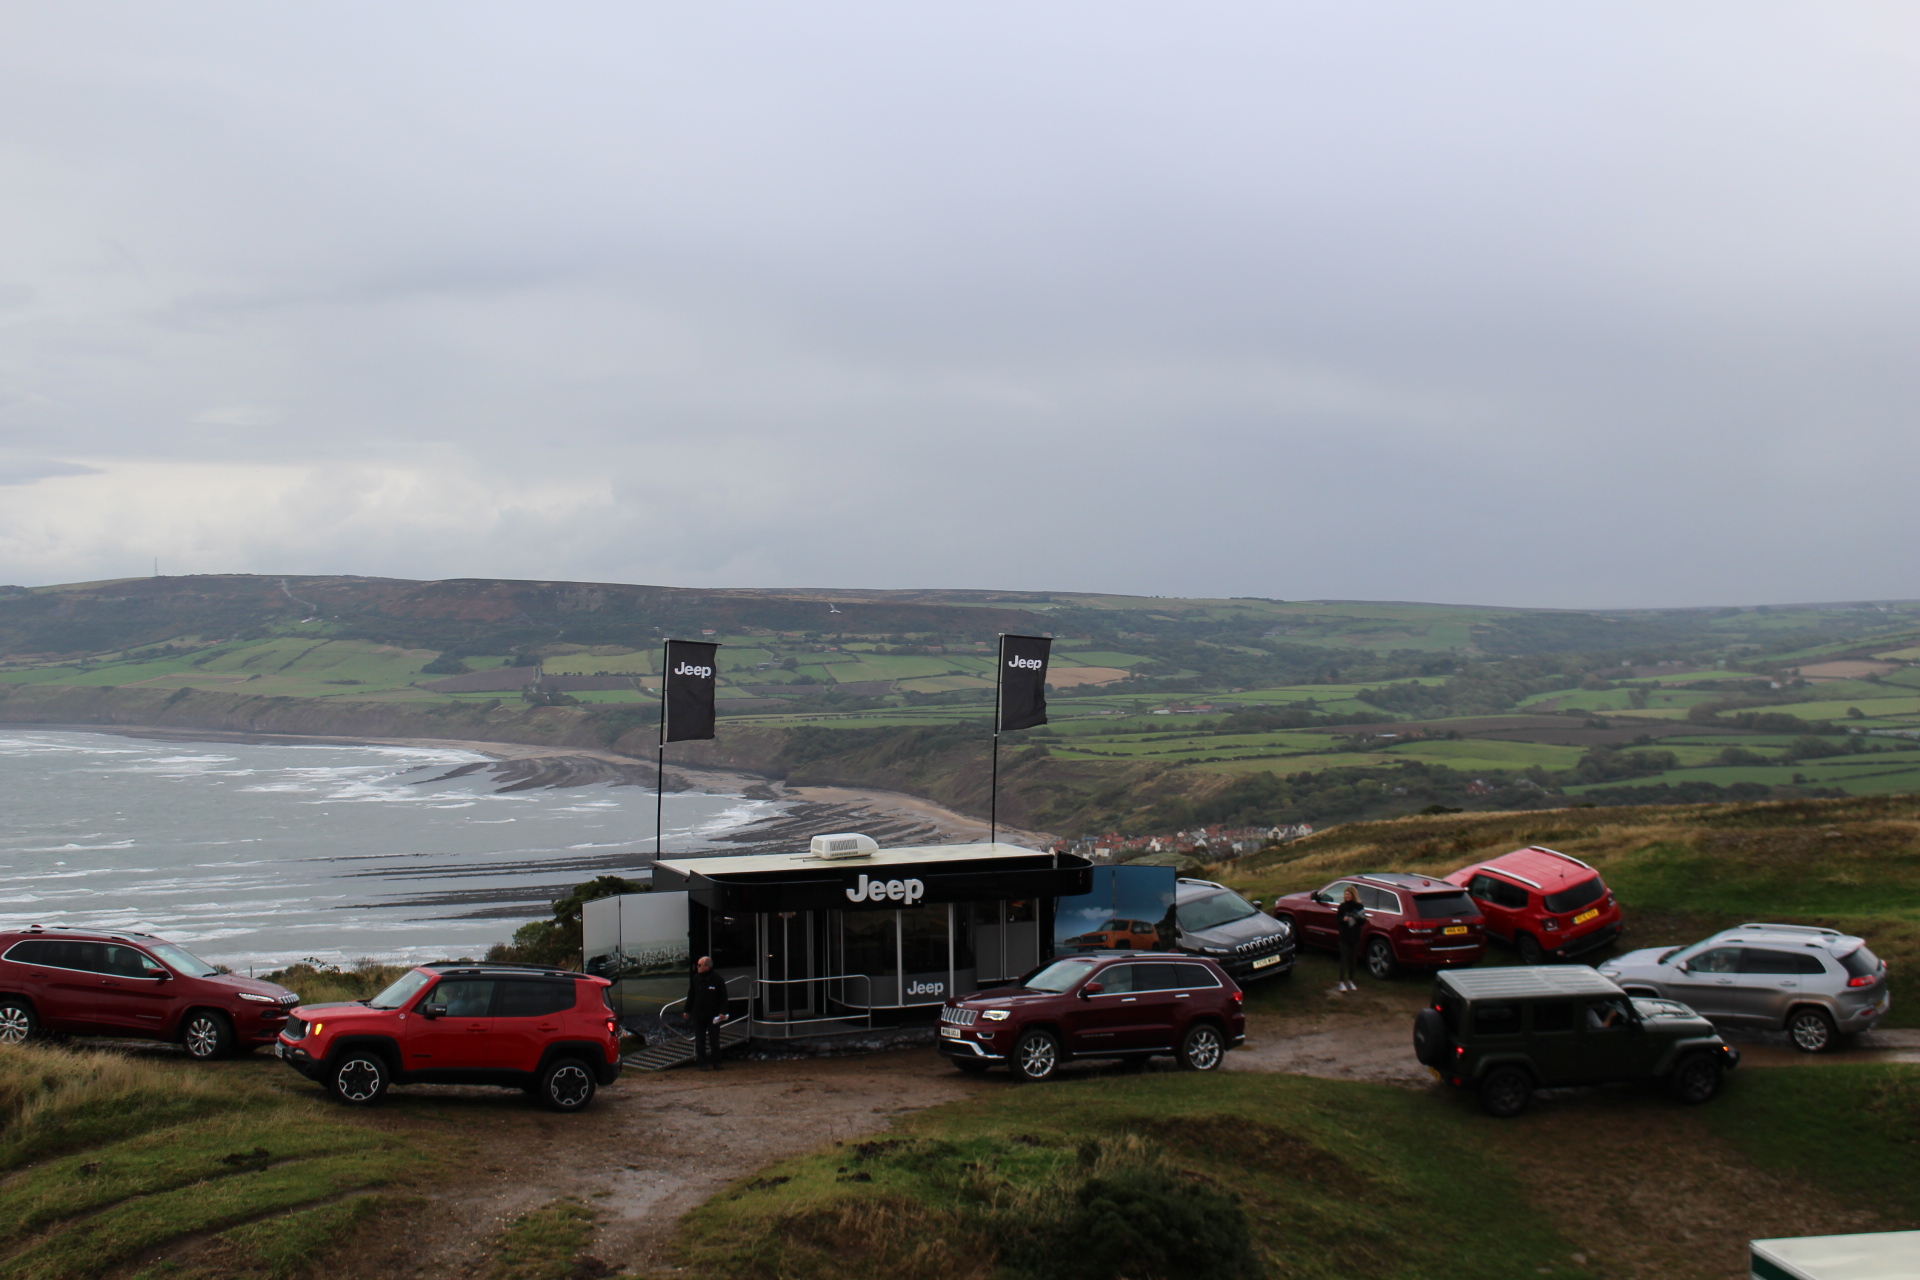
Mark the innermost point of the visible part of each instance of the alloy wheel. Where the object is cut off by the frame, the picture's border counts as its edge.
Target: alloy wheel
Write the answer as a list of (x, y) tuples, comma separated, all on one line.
[(203, 1036), (359, 1080), (1811, 1032), (569, 1086), (1038, 1057), (16, 1024), (1380, 959), (1204, 1049)]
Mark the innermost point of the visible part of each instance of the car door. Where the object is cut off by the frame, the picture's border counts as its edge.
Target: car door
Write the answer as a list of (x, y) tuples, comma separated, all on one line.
[(1159, 995), (136, 994), (1709, 984), (1554, 1041), (62, 980), (1495, 905), (1105, 1021), (1770, 981), (526, 1019), (457, 1040), (1612, 1044), (1317, 915)]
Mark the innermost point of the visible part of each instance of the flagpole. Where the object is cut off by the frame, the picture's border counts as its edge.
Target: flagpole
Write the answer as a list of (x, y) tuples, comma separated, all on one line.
[(993, 793), (660, 760)]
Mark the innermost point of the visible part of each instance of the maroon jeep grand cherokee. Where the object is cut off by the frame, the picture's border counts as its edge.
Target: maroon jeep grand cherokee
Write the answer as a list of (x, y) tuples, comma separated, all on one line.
[(76, 982), (1133, 1007)]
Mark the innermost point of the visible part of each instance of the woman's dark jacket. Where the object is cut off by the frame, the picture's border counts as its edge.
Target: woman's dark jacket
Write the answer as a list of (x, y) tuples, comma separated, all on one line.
[(1352, 917)]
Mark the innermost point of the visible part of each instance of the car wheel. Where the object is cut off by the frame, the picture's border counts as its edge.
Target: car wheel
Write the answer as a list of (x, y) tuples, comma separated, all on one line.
[(1811, 1031), (971, 1066), (1506, 1092), (1036, 1056), (566, 1085), (1380, 961), (1696, 1079), (1430, 1038), (360, 1080), (17, 1023), (1204, 1049), (1529, 948), (207, 1035)]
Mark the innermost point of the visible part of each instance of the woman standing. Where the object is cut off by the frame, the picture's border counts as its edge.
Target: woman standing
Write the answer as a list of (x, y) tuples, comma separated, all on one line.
[(1352, 918)]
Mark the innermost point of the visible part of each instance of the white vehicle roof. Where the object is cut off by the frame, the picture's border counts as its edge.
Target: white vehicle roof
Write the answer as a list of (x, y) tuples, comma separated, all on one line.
[(1879, 1255), (1830, 940)]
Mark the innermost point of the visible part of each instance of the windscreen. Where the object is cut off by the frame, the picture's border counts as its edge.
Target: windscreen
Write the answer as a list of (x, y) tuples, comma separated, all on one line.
[(1058, 976), (182, 961), (1860, 963), (1443, 906), (402, 991), (1214, 910), (1577, 897)]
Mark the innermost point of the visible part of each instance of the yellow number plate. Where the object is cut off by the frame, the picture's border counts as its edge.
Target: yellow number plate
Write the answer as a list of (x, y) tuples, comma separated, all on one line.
[(1585, 916), (1453, 929), (1264, 961)]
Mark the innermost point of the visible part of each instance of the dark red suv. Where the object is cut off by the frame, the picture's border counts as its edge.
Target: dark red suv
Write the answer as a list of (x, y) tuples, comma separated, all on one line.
[(1091, 1006), (547, 1031), (1413, 921), (133, 985), (1548, 904)]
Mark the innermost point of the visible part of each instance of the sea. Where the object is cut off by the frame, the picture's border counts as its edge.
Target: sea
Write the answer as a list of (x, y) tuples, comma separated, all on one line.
[(260, 855)]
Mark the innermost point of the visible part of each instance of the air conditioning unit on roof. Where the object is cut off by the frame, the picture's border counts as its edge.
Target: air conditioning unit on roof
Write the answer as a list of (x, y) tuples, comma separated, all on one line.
[(845, 845)]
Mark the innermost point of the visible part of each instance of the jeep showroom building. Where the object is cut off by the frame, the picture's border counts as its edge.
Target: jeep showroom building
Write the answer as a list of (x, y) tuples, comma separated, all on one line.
[(818, 945)]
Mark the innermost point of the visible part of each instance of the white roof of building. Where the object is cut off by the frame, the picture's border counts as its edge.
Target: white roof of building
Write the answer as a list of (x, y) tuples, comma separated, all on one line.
[(762, 862)]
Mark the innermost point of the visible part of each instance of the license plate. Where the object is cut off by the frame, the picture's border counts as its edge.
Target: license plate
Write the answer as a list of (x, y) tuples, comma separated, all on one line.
[(279, 1051), (951, 1032), (1264, 961), (1454, 930), (1585, 916)]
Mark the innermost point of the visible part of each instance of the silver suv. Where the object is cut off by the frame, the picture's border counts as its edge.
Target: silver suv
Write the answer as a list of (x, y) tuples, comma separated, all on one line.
[(1815, 984)]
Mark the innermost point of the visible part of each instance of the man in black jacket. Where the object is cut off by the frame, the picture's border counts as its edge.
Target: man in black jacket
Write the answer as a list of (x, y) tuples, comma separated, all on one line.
[(707, 1009)]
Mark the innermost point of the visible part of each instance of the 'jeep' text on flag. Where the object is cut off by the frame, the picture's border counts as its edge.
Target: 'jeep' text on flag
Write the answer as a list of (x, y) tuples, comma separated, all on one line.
[(687, 697), (1023, 681)]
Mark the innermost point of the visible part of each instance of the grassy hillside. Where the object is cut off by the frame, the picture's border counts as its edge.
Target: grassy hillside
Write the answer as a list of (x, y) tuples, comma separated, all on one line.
[(1680, 872)]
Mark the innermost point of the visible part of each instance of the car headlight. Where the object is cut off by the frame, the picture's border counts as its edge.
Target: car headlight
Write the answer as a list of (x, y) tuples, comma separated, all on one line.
[(995, 1015), (248, 995), (1286, 930)]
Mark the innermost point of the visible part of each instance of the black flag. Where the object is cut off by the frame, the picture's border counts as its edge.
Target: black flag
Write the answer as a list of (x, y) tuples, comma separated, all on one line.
[(1023, 681), (686, 710)]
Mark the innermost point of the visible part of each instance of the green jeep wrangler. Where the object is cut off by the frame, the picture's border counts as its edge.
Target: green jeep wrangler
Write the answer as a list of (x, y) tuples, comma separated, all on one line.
[(1507, 1032)]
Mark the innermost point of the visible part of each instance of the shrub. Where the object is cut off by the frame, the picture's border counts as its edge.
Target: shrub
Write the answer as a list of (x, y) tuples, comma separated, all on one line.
[(1149, 1223)]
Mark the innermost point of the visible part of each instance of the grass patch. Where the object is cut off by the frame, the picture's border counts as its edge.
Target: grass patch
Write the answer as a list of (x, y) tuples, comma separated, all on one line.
[(1325, 1179), (544, 1244), (1853, 1131), (135, 1154)]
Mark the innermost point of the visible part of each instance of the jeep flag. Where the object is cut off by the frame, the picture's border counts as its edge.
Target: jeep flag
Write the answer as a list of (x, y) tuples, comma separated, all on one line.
[(686, 706), (1023, 681)]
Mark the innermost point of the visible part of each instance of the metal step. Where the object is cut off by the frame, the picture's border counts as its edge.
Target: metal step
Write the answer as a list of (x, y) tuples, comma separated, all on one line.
[(678, 1053)]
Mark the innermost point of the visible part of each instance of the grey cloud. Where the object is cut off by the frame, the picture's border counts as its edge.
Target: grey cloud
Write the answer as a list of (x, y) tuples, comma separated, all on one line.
[(16, 471)]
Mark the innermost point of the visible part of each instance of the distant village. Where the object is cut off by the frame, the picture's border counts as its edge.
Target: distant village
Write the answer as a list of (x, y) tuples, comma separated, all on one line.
[(1215, 843)]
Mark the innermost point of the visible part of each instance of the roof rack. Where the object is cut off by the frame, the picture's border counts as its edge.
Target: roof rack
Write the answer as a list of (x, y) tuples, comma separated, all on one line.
[(1556, 853), (1795, 928)]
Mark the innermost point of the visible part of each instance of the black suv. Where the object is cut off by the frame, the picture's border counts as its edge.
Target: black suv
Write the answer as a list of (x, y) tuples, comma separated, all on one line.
[(1507, 1032), (1212, 920)]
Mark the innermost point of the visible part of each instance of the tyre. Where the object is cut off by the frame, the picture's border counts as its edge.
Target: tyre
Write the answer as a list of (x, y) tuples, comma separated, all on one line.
[(1204, 1048), (566, 1085), (1379, 956), (1506, 1092), (207, 1035), (1430, 1038), (1811, 1030), (1529, 948), (361, 1078), (1696, 1079), (1036, 1056), (970, 1066), (17, 1023)]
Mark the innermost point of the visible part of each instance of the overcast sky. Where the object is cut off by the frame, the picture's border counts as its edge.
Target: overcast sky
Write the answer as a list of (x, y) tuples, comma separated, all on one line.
[(1571, 305)]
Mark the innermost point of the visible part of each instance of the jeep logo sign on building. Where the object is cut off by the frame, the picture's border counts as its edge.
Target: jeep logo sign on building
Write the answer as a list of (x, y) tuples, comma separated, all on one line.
[(904, 892)]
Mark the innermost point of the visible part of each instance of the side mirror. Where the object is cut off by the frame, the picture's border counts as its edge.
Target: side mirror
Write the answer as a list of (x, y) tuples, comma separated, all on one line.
[(1092, 989), (159, 975), (433, 1011), (1682, 966), (1259, 904)]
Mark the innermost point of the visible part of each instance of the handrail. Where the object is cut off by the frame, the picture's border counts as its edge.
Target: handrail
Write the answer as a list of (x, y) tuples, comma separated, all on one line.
[(673, 1030)]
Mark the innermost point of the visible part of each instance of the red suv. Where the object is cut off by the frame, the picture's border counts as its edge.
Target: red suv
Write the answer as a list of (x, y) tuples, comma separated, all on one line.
[(1088, 1006), (1411, 920), (1549, 905), (131, 984), (547, 1031)]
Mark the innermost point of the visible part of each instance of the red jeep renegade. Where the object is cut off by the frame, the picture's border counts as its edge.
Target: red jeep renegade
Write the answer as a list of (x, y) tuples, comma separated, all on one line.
[(131, 984), (1549, 905), (547, 1031), (1090, 1006)]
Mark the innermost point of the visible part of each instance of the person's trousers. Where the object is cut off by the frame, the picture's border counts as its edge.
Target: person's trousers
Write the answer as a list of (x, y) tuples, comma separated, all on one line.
[(706, 1040), (1349, 958)]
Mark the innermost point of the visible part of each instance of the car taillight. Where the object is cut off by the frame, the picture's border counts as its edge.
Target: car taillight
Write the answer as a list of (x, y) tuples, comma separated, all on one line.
[(1459, 1051), (613, 1028), (1867, 981), (1550, 924), (1239, 997)]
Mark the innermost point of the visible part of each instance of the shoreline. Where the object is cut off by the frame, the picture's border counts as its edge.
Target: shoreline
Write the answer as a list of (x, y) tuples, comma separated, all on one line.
[(891, 812)]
